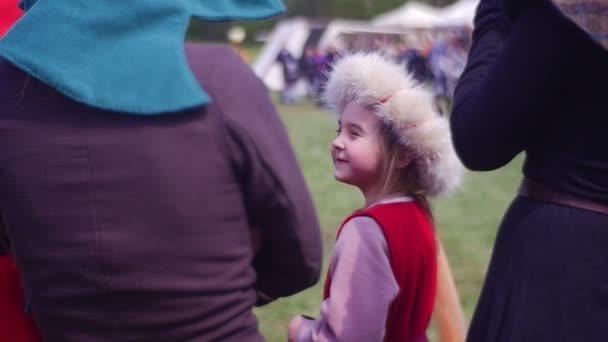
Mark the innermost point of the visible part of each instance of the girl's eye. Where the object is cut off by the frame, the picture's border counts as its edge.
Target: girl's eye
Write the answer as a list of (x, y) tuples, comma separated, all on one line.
[(355, 133), (338, 131)]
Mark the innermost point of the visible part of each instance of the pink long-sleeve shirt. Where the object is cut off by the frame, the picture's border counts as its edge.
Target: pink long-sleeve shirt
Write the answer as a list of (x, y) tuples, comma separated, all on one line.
[(362, 288)]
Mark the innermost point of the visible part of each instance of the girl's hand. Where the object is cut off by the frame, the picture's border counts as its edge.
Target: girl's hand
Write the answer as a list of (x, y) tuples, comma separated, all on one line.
[(293, 328)]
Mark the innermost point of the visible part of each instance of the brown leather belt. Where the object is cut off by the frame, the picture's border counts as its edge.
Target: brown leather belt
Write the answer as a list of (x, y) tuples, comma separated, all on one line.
[(544, 193)]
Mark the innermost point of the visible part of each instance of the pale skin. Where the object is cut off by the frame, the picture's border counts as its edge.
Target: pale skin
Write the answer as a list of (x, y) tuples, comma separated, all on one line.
[(357, 152), (357, 155)]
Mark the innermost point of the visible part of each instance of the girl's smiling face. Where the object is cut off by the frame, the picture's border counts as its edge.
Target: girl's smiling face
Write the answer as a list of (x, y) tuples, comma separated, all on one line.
[(356, 151)]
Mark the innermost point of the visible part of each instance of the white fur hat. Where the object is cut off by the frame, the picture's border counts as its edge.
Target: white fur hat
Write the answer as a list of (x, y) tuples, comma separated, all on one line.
[(376, 81)]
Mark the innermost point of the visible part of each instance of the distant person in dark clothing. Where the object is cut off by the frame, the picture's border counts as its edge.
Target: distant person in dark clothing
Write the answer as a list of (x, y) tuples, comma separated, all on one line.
[(290, 76), (417, 65), (436, 63), (535, 82), (401, 56), (453, 63), (310, 71), (330, 58), (326, 65), (414, 62)]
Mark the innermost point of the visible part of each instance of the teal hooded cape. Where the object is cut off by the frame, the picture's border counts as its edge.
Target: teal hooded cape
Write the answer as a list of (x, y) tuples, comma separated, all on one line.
[(124, 56)]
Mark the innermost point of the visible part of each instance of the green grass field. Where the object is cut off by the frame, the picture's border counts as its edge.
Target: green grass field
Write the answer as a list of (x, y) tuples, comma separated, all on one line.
[(466, 222)]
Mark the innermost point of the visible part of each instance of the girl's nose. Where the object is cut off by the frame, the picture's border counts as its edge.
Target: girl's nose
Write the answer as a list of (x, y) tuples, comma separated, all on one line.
[(337, 143)]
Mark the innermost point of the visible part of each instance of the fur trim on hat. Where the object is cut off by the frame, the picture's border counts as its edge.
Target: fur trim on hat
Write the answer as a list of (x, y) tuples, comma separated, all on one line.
[(376, 81)]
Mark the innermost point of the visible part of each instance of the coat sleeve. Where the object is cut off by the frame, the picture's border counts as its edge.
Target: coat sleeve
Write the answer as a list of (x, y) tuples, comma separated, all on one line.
[(515, 75), (276, 196)]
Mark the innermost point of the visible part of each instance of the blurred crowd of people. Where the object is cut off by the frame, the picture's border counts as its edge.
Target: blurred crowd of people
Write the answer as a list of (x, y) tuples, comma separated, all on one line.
[(436, 63)]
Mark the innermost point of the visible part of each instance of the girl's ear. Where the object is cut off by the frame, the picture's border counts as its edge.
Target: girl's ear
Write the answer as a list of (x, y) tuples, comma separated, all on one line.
[(404, 159)]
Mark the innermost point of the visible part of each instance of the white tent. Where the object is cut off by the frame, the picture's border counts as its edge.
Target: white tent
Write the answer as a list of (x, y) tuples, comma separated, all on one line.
[(412, 15), (339, 27), (459, 13), (289, 33), (419, 15)]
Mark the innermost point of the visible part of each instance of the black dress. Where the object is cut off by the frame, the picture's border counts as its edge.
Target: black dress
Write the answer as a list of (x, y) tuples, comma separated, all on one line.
[(535, 82)]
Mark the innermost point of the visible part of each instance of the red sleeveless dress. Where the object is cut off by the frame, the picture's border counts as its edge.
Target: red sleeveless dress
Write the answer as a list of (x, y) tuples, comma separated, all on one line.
[(413, 256)]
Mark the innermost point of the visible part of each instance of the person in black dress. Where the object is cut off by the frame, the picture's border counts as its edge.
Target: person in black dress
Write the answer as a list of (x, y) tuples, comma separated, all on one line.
[(535, 83)]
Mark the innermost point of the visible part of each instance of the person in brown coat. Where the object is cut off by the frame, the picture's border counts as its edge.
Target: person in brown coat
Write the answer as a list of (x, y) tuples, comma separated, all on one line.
[(128, 194)]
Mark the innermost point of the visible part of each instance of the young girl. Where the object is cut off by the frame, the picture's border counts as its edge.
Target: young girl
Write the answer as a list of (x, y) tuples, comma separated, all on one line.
[(397, 150)]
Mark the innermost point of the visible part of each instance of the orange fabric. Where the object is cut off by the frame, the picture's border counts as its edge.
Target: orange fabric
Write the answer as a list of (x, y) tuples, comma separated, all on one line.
[(9, 14), (15, 324)]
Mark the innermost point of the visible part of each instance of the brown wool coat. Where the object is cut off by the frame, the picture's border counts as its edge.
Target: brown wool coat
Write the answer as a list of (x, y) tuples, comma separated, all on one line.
[(134, 228)]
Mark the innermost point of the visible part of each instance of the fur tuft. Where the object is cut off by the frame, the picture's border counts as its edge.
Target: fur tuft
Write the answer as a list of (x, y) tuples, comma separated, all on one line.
[(376, 81)]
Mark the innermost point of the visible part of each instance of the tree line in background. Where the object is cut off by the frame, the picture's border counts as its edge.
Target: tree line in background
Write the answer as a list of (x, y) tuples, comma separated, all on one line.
[(321, 9)]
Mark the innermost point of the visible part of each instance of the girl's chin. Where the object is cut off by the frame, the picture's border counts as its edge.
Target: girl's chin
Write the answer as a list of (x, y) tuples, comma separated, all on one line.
[(342, 178), (346, 179), (338, 177)]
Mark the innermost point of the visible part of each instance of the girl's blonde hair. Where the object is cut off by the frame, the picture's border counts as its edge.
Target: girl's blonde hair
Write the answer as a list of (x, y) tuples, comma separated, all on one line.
[(408, 121), (400, 180)]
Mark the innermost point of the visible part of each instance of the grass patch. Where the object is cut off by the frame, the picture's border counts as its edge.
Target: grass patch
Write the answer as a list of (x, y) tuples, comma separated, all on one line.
[(466, 222)]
